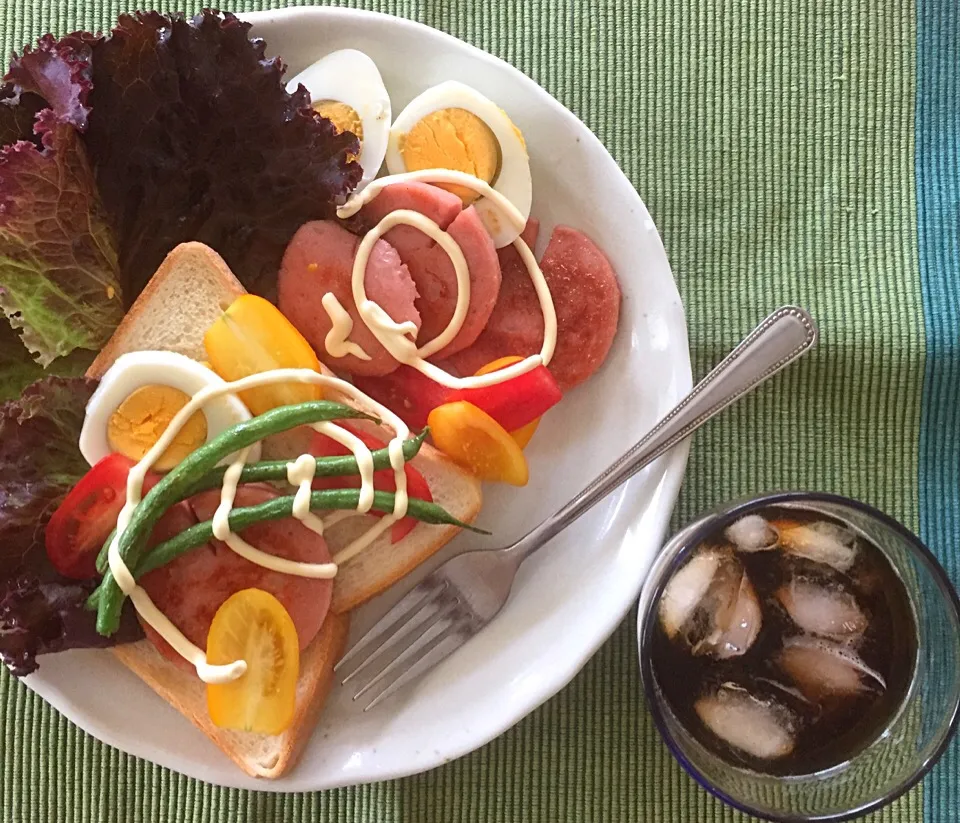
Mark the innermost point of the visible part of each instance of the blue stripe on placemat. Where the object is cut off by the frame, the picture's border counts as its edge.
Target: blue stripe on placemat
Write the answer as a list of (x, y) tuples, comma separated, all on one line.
[(938, 226)]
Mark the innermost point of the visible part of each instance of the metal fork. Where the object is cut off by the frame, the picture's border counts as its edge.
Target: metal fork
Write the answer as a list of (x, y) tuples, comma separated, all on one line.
[(457, 600)]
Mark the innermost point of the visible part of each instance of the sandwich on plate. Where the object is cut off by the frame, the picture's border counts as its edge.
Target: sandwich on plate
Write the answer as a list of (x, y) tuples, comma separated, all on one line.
[(266, 342)]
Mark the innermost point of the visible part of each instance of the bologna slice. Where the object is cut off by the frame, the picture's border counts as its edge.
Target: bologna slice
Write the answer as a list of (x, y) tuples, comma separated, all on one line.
[(320, 259), (190, 589), (430, 266), (586, 296)]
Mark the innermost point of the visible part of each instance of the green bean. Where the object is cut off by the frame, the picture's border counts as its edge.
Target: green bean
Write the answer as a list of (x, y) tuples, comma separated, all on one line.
[(339, 466), (281, 507), (184, 477), (269, 470)]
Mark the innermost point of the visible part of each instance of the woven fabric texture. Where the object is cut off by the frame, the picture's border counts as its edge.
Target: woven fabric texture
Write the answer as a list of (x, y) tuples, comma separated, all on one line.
[(774, 143)]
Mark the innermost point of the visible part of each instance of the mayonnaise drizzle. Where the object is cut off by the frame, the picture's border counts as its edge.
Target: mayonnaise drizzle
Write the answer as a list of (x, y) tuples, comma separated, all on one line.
[(341, 325), (300, 473), (399, 338), (297, 473)]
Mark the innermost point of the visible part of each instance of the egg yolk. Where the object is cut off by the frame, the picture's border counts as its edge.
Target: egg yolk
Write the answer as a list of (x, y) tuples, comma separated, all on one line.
[(453, 139), (142, 418), (343, 117)]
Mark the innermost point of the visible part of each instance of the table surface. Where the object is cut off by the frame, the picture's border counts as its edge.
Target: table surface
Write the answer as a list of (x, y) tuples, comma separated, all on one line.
[(800, 151)]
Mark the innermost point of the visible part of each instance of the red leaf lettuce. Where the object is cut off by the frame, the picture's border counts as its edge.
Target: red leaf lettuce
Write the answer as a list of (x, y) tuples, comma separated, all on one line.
[(193, 137), (40, 461), (59, 280)]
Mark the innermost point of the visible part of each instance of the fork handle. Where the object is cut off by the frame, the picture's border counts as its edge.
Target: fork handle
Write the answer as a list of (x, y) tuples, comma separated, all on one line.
[(784, 336)]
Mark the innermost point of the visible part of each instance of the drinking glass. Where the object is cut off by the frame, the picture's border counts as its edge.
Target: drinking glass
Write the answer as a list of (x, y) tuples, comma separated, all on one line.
[(913, 738)]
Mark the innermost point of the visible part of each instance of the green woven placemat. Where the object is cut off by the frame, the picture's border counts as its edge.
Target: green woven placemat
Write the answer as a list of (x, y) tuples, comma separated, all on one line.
[(773, 143)]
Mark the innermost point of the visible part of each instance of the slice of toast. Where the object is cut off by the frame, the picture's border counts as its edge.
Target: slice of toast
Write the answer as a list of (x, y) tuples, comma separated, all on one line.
[(258, 755), (187, 294)]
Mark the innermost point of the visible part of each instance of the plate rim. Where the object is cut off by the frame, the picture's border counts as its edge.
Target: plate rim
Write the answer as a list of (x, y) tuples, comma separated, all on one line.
[(670, 470)]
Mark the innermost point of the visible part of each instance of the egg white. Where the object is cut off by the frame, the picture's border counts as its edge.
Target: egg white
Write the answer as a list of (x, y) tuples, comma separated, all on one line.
[(150, 368), (348, 76), (513, 181)]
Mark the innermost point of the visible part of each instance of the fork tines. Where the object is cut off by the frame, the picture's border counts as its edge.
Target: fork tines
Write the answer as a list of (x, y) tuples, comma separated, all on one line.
[(423, 628)]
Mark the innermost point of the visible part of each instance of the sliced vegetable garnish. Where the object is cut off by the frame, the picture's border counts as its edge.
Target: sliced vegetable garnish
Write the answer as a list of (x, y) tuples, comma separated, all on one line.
[(252, 336), (476, 441), (87, 515), (384, 479), (513, 403), (253, 626), (516, 401), (407, 392), (525, 432)]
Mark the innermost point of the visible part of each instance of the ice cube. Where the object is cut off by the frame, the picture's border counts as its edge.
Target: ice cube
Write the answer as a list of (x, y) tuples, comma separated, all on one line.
[(761, 728), (752, 534), (823, 669), (822, 542), (822, 609), (686, 589), (734, 629), (711, 606)]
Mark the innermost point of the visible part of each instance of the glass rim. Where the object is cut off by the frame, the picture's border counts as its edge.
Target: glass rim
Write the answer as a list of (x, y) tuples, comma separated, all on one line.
[(700, 527)]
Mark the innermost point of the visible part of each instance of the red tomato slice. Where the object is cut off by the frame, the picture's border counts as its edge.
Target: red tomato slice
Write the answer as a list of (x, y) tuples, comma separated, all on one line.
[(517, 401), (83, 521), (383, 480), (407, 393)]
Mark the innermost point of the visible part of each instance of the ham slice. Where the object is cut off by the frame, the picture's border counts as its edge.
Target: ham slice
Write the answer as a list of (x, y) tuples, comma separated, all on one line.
[(586, 296), (318, 260), (190, 589)]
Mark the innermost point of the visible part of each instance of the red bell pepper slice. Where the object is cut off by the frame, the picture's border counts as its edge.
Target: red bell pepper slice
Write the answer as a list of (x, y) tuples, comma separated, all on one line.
[(517, 401), (407, 392), (514, 403)]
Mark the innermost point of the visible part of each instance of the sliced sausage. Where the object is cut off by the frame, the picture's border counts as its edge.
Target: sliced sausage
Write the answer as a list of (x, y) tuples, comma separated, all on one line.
[(190, 589), (319, 259), (586, 296), (430, 266), (587, 299), (439, 205), (515, 326)]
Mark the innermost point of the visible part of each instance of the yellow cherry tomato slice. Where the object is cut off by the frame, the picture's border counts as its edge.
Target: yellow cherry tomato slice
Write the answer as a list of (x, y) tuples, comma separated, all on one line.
[(476, 441), (253, 336), (253, 626), (524, 433)]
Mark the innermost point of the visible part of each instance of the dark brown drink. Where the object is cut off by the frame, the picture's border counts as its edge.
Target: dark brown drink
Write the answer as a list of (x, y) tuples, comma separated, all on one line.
[(785, 644)]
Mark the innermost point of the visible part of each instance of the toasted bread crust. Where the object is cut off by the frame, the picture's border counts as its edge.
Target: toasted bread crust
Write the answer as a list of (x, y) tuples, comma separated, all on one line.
[(186, 255), (188, 696)]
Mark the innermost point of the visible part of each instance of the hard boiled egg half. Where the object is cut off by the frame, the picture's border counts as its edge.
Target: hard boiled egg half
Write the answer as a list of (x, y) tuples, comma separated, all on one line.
[(139, 396), (453, 126), (346, 87)]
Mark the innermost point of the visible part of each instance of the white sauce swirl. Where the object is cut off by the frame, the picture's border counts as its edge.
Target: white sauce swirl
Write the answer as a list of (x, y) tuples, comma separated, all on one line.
[(299, 473), (400, 338)]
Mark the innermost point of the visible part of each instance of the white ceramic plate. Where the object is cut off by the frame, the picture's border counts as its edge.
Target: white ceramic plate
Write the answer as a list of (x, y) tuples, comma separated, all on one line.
[(569, 598)]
